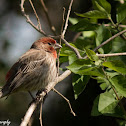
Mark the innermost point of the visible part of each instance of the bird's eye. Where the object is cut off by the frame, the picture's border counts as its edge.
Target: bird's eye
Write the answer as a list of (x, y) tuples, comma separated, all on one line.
[(49, 43)]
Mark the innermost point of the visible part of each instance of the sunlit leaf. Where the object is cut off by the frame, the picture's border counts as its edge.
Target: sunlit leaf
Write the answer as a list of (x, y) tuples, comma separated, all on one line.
[(121, 13), (104, 4), (103, 34), (119, 83), (73, 20), (91, 54), (94, 14), (106, 104), (85, 67), (100, 8), (84, 25), (116, 65), (72, 58)]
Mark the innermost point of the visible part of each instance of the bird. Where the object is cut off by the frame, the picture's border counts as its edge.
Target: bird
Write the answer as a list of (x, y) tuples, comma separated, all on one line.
[(34, 70)]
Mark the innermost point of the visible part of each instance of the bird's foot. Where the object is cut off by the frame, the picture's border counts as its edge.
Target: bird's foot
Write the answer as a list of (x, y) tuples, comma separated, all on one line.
[(38, 94)]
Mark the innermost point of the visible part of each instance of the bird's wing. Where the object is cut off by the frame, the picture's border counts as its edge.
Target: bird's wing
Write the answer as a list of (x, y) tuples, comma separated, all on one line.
[(27, 63)]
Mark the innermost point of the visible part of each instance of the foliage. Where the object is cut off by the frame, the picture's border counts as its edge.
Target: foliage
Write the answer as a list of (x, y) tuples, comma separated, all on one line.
[(109, 72)]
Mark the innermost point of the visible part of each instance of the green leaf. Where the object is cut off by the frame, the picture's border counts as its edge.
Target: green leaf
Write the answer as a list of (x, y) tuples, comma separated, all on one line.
[(79, 83), (106, 101), (119, 83), (121, 13), (94, 14), (91, 54), (78, 64), (116, 65), (106, 104), (103, 86), (66, 51), (103, 34), (85, 67), (63, 59), (85, 41), (104, 4), (95, 111), (104, 83), (72, 58), (73, 20), (84, 25), (100, 8)]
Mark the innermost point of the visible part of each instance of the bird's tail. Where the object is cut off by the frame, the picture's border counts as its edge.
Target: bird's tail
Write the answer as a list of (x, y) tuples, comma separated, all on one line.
[(3, 94)]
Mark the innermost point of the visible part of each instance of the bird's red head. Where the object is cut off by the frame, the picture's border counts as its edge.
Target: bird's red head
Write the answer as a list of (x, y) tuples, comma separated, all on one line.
[(48, 44)]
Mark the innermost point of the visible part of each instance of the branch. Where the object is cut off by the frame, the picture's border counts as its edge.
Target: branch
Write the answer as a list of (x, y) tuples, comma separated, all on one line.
[(95, 50), (40, 116), (110, 55), (76, 36), (110, 39), (60, 41), (39, 24), (68, 14), (73, 48), (48, 18), (120, 25), (35, 103), (71, 110), (28, 19)]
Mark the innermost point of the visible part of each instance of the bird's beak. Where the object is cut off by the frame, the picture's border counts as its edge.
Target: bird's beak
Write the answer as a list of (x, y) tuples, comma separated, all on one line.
[(57, 46)]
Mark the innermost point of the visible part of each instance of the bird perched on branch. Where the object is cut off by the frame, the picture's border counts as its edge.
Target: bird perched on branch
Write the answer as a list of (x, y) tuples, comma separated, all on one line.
[(34, 70)]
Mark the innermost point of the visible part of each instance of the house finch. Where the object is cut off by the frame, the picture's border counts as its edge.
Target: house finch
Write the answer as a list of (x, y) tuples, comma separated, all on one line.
[(34, 70)]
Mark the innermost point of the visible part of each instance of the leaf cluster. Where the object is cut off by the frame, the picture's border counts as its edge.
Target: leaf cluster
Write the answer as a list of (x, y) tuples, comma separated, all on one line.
[(110, 72)]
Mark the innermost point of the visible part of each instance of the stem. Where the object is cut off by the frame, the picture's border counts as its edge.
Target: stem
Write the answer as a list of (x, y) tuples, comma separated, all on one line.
[(58, 63), (40, 116), (65, 100), (108, 40), (48, 18), (117, 28), (110, 55), (117, 97), (66, 23)]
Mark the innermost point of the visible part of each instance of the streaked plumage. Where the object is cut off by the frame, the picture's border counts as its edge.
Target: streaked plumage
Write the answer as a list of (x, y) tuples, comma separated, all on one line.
[(34, 69)]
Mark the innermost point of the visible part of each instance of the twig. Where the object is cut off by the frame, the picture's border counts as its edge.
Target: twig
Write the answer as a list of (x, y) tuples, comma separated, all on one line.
[(30, 121), (33, 106), (113, 88), (71, 110), (116, 94), (28, 19), (73, 48), (31, 95), (60, 42), (76, 36), (40, 117), (95, 50), (120, 25), (110, 55), (39, 24), (67, 44), (42, 32), (116, 27), (48, 18), (110, 39), (68, 14)]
